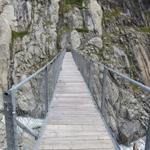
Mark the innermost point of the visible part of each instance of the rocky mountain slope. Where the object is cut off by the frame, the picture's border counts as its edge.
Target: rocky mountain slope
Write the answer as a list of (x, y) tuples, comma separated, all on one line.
[(115, 32)]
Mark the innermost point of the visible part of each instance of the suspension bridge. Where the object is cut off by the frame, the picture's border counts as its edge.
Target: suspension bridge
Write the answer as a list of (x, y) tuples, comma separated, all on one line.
[(72, 118)]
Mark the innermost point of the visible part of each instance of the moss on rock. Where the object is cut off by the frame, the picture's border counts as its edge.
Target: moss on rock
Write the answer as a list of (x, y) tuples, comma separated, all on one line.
[(144, 29), (82, 30), (66, 5), (19, 34)]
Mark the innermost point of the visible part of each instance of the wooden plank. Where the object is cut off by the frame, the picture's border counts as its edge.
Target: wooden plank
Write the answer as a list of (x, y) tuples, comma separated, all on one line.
[(48, 148), (75, 95), (77, 144), (57, 109), (73, 121), (73, 112), (74, 128)]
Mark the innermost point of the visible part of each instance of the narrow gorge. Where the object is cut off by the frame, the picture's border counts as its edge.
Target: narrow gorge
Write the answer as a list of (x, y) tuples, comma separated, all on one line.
[(113, 32)]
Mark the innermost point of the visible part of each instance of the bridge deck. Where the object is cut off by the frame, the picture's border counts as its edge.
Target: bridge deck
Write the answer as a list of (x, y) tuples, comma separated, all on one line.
[(73, 121)]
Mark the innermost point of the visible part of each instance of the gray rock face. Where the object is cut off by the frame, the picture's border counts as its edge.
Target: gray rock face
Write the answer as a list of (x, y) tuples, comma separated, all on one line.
[(129, 117), (96, 16), (34, 43), (6, 17), (96, 41), (86, 19), (28, 40), (2, 135), (137, 145), (122, 110), (128, 129), (75, 39)]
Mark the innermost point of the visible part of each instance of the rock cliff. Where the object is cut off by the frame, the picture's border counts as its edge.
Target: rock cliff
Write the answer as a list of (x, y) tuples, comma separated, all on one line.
[(28, 40), (115, 32)]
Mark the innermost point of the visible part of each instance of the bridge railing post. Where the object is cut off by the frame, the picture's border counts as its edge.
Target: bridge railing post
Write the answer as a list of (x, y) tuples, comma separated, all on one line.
[(46, 91), (104, 82), (147, 144), (10, 120), (90, 76)]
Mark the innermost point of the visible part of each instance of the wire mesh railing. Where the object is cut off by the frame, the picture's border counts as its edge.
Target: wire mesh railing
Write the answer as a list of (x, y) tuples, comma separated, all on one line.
[(26, 105), (123, 102)]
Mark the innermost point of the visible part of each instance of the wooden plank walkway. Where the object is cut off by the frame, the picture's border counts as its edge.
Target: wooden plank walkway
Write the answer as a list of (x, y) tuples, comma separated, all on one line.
[(73, 122)]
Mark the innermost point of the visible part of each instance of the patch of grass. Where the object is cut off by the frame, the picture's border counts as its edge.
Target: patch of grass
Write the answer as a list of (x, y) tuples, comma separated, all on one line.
[(144, 29), (135, 88), (66, 5), (133, 72), (64, 8), (111, 14), (74, 2), (133, 69), (62, 30), (47, 23), (19, 34), (82, 30)]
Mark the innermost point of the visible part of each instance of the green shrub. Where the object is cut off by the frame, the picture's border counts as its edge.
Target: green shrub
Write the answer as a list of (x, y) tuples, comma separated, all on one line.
[(144, 29), (110, 14), (66, 5), (74, 2), (19, 34), (82, 30)]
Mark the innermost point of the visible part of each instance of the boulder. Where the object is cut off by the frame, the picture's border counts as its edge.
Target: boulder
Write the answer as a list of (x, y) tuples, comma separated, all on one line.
[(129, 131), (75, 39), (96, 13), (96, 41)]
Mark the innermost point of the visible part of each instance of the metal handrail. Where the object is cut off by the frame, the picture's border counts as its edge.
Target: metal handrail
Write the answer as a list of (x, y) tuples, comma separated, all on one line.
[(15, 87), (29, 131), (10, 101), (103, 94), (144, 87)]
